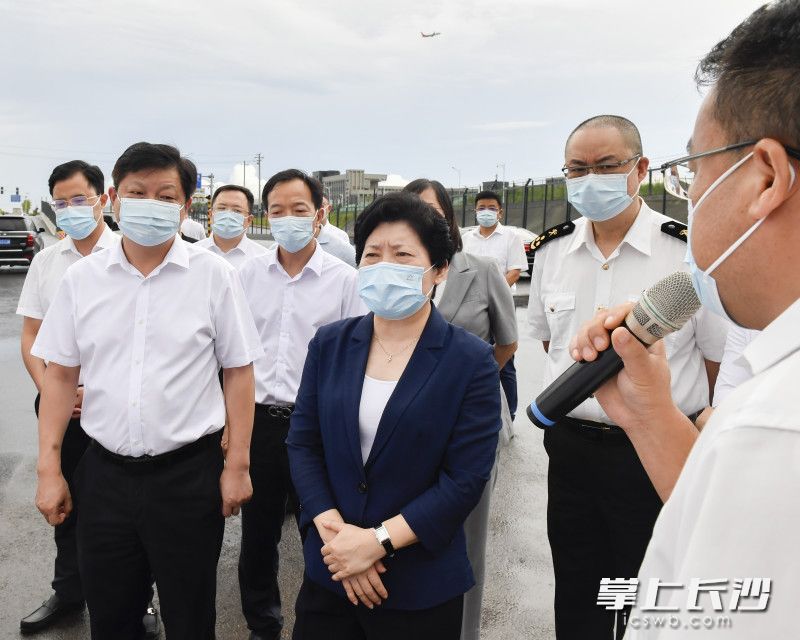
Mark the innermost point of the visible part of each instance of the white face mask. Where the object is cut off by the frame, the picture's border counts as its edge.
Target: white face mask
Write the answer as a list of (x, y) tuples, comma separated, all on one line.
[(704, 283), (600, 197)]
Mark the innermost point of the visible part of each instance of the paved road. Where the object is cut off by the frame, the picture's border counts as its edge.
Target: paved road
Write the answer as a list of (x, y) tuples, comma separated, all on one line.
[(519, 577)]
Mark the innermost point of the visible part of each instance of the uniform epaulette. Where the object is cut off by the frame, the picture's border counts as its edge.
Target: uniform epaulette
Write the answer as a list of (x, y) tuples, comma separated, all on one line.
[(559, 231), (675, 229)]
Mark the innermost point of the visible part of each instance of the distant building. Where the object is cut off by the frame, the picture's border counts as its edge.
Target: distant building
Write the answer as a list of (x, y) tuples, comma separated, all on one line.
[(351, 187), (393, 182)]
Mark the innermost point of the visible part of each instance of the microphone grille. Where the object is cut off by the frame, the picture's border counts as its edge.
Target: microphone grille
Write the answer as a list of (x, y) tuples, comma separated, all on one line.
[(666, 306)]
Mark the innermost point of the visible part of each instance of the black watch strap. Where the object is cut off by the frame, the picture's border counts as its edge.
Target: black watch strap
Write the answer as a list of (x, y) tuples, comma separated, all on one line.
[(385, 541)]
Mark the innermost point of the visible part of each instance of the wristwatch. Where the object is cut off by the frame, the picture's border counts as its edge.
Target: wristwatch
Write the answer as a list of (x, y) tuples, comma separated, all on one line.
[(384, 540)]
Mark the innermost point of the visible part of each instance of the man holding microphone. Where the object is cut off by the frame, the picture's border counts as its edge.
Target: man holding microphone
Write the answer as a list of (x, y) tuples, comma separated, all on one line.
[(733, 511)]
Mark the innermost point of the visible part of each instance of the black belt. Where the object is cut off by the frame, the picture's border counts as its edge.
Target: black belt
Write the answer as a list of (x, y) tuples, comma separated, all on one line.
[(589, 426), (280, 411), (170, 457)]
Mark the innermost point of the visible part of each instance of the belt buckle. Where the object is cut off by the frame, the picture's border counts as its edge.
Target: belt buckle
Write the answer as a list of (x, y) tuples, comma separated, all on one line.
[(279, 412)]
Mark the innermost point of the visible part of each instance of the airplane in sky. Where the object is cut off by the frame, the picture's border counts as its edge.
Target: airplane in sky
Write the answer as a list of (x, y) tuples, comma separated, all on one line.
[(430, 35)]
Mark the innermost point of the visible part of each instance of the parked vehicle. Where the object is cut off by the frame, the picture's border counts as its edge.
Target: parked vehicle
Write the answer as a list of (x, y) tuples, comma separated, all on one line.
[(20, 240)]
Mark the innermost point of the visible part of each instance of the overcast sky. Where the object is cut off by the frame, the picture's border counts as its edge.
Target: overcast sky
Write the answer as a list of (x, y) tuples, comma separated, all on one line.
[(337, 84)]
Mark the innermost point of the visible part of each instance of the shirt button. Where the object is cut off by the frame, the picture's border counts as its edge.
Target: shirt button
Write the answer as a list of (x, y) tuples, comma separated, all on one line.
[(605, 267), (362, 487)]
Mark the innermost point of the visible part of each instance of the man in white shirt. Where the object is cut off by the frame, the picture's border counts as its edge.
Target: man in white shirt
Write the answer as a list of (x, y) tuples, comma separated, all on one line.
[(192, 231), (231, 216), (292, 291), (333, 239), (732, 517), (77, 190), (147, 324), (601, 504), (492, 240)]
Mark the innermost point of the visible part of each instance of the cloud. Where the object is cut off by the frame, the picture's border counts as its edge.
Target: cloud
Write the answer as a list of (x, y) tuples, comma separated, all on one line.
[(516, 125)]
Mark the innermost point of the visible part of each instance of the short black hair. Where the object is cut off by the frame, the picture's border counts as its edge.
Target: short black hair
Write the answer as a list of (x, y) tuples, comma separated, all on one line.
[(145, 155), (421, 184), (489, 195), (235, 187), (94, 176), (628, 130), (314, 185), (756, 76), (402, 206)]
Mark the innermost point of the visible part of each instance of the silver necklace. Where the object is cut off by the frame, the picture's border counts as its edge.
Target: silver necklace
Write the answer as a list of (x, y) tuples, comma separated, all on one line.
[(389, 356)]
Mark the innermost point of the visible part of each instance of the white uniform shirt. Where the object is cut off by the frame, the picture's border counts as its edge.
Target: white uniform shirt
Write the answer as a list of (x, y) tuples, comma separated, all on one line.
[(48, 267), (733, 370), (193, 229), (735, 510), (331, 230), (331, 240), (237, 256), (571, 280), (504, 246), (288, 311), (150, 348)]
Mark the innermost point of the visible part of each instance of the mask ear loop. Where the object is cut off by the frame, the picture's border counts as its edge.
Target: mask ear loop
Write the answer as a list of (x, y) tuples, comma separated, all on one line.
[(751, 230)]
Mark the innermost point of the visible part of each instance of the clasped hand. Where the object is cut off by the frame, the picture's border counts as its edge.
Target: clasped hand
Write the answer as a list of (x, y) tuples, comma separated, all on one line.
[(353, 556)]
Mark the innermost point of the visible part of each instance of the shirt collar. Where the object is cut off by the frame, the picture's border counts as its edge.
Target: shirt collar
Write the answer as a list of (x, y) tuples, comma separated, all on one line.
[(638, 236), (314, 262), (776, 342), (178, 255), (239, 247), (106, 239), (499, 229)]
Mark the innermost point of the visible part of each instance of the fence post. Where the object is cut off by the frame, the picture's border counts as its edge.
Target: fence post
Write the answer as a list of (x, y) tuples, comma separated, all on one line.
[(650, 183), (464, 207), (525, 204), (664, 202), (546, 198)]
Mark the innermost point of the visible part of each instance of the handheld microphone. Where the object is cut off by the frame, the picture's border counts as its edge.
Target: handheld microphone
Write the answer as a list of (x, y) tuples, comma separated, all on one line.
[(664, 308)]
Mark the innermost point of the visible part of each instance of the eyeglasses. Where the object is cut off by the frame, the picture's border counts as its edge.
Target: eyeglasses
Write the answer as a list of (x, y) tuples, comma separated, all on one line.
[(77, 201), (678, 177), (602, 169)]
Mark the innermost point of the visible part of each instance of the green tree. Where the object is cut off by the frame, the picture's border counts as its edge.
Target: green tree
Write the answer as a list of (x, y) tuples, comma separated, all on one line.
[(26, 206)]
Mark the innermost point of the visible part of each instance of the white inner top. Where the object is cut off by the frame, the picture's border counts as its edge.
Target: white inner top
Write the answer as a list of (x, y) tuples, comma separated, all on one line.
[(374, 396)]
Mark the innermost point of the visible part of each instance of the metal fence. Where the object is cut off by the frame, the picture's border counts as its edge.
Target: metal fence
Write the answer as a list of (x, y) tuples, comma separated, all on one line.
[(538, 204)]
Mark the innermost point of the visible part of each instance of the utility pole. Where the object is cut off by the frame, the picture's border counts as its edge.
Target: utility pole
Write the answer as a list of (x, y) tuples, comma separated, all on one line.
[(244, 172), (259, 158), (210, 177)]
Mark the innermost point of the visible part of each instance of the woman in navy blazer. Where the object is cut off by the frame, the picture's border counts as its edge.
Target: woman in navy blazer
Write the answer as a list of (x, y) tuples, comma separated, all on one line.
[(391, 442)]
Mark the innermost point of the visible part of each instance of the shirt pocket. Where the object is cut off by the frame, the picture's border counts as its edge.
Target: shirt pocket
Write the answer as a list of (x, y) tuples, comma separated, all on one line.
[(559, 309)]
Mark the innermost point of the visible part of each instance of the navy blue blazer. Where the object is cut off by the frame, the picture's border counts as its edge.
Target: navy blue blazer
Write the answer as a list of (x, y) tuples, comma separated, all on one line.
[(433, 452)]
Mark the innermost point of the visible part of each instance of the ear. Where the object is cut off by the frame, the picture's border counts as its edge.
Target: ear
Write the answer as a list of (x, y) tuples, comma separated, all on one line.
[(115, 203), (773, 178), (103, 200), (248, 220), (642, 167), (441, 273), (187, 207)]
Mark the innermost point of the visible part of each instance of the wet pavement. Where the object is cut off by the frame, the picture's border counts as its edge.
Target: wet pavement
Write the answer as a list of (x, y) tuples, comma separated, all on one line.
[(519, 581)]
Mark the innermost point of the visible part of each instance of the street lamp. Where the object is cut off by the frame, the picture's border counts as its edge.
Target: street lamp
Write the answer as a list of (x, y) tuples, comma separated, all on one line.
[(458, 172)]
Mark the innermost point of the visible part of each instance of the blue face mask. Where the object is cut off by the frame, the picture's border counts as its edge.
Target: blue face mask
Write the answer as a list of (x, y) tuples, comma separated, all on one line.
[(77, 222), (486, 217), (600, 197), (392, 291), (704, 284), (292, 232), (227, 224), (149, 222)]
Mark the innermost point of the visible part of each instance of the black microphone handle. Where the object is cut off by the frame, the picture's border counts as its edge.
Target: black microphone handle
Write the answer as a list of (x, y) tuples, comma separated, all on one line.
[(573, 387)]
